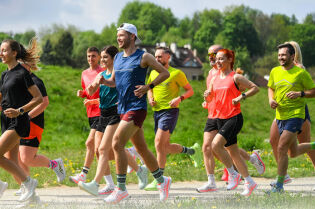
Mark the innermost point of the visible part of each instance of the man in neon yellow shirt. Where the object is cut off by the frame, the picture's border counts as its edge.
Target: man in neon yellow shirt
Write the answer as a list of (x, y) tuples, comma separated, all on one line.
[(164, 99), (289, 85)]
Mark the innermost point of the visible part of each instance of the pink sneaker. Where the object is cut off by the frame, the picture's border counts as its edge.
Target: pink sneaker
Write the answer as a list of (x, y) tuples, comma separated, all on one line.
[(164, 188), (77, 178), (233, 182), (225, 176), (248, 189), (117, 196)]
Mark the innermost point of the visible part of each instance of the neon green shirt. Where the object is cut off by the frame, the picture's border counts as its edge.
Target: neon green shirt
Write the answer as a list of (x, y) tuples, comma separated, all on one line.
[(283, 81), (168, 89)]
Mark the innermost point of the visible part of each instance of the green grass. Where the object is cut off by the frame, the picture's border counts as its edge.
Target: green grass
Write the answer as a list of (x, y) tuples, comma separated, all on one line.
[(66, 129)]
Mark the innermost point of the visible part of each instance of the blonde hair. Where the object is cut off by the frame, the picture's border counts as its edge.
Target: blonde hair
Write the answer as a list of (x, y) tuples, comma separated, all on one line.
[(298, 54)]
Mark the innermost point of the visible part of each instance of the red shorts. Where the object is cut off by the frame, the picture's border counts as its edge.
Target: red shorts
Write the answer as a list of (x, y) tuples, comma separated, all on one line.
[(36, 132), (137, 116)]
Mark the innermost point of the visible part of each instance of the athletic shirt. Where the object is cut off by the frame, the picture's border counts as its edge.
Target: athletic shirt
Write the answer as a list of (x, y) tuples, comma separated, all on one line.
[(39, 119), (108, 95), (224, 91), (168, 89), (87, 78), (211, 104), (14, 86), (129, 74)]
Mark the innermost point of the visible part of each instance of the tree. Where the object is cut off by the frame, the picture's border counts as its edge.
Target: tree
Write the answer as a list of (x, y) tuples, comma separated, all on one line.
[(310, 18), (47, 56), (63, 49), (4, 36)]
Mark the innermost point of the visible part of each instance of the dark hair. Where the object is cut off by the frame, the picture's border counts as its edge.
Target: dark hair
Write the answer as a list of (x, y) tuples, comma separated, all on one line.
[(111, 50), (229, 54), (93, 49), (289, 46), (28, 56), (165, 49)]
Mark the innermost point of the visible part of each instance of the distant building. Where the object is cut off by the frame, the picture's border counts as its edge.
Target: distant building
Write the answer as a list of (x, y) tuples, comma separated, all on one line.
[(182, 58)]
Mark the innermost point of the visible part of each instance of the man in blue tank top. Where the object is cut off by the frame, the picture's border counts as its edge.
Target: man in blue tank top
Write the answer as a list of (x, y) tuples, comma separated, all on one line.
[(130, 67)]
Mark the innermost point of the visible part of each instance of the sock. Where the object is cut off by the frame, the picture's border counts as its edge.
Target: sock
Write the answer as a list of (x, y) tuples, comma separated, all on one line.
[(121, 181), (85, 169), (157, 174), (312, 145), (231, 170), (280, 181), (52, 164), (162, 171), (187, 150), (211, 179), (252, 159), (109, 180), (249, 179)]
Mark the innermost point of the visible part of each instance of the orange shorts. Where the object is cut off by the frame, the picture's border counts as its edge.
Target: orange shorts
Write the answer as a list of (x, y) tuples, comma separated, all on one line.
[(36, 132)]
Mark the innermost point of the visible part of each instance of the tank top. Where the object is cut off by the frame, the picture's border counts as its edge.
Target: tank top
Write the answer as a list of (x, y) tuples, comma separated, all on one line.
[(129, 74), (108, 95), (224, 91), (211, 104)]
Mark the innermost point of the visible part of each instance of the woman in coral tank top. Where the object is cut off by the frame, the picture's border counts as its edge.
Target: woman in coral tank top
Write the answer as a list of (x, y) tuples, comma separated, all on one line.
[(224, 92)]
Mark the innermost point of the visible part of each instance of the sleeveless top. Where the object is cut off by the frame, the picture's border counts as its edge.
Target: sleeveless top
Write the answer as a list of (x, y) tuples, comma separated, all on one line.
[(129, 74), (211, 104), (108, 95), (224, 91)]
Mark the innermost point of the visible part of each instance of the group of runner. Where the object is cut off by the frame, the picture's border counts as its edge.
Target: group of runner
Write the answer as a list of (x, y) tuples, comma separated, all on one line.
[(115, 99)]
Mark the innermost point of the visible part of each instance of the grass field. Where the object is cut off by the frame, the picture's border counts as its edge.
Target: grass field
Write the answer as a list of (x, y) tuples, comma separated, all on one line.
[(66, 129)]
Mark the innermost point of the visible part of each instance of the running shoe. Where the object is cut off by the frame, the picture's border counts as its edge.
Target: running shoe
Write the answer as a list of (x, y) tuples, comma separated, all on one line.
[(233, 181), (164, 188), (287, 180), (208, 187), (117, 196), (106, 190), (3, 187), (275, 189), (258, 163), (19, 192), (135, 155), (29, 187), (152, 186), (225, 176), (60, 170), (91, 187), (142, 177), (249, 188), (77, 178), (197, 157)]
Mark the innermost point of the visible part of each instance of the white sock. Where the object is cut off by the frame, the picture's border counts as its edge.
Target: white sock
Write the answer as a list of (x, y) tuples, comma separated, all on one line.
[(249, 179), (231, 170), (109, 180), (211, 179), (252, 158)]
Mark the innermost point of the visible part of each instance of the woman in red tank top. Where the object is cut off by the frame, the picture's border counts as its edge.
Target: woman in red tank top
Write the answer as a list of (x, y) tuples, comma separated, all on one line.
[(226, 95)]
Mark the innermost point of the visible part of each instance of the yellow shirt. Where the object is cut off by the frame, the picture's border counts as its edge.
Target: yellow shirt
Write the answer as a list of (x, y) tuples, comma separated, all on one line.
[(283, 81), (168, 89)]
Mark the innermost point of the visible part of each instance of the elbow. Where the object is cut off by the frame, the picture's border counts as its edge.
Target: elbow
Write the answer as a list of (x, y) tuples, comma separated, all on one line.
[(167, 75)]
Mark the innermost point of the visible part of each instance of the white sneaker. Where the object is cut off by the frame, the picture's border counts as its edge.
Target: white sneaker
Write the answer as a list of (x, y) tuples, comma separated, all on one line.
[(28, 188), (60, 170), (287, 180), (233, 181), (117, 196), (77, 178), (134, 154), (142, 177), (91, 188), (108, 189), (164, 188), (19, 192), (208, 187), (249, 188), (258, 163), (3, 187)]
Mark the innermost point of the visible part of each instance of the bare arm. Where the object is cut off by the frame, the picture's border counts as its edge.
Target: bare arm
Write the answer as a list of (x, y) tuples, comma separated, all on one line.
[(92, 88), (109, 82), (151, 98), (39, 108), (273, 104), (188, 93), (295, 94), (244, 83)]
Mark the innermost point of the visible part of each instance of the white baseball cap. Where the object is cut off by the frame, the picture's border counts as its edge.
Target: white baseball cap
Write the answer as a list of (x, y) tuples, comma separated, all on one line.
[(131, 29)]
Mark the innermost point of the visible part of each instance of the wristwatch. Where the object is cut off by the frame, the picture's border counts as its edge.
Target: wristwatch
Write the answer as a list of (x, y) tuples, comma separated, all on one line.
[(151, 86), (21, 111), (243, 96)]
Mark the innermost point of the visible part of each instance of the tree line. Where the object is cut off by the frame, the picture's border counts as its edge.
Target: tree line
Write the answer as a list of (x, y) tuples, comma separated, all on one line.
[(252, 34)]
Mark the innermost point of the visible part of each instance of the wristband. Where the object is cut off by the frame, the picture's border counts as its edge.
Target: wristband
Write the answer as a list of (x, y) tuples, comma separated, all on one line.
[(151, 85), (182, 98), (302, 93), (244, 96)]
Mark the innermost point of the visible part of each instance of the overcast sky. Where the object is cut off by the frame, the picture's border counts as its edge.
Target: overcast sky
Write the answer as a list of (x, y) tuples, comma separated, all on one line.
[(20, 15)]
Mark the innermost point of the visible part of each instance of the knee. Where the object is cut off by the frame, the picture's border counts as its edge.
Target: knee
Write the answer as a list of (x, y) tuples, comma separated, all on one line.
[(282, 150), (159, 145), (90, 145), (207, 149), (215, 146), (117, 146), (26, 160)]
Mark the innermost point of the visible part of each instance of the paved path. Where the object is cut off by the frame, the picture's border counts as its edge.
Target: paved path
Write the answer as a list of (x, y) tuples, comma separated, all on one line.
[(73, 197)]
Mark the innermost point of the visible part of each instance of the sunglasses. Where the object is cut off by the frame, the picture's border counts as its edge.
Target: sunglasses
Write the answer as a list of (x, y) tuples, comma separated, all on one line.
[(212, 55)]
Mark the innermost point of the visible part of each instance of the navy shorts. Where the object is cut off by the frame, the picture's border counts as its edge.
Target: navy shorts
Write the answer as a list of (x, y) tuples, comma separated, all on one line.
[(293, 125), (211, 125), (166, 119), (108, 116), (93, 121), (229, 128)]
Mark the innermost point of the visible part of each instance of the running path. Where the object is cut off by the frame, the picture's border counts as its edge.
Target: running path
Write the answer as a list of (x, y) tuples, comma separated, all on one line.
[(73, 197)]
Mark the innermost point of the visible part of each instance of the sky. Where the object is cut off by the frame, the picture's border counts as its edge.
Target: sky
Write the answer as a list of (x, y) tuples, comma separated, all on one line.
[(21, 15)]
